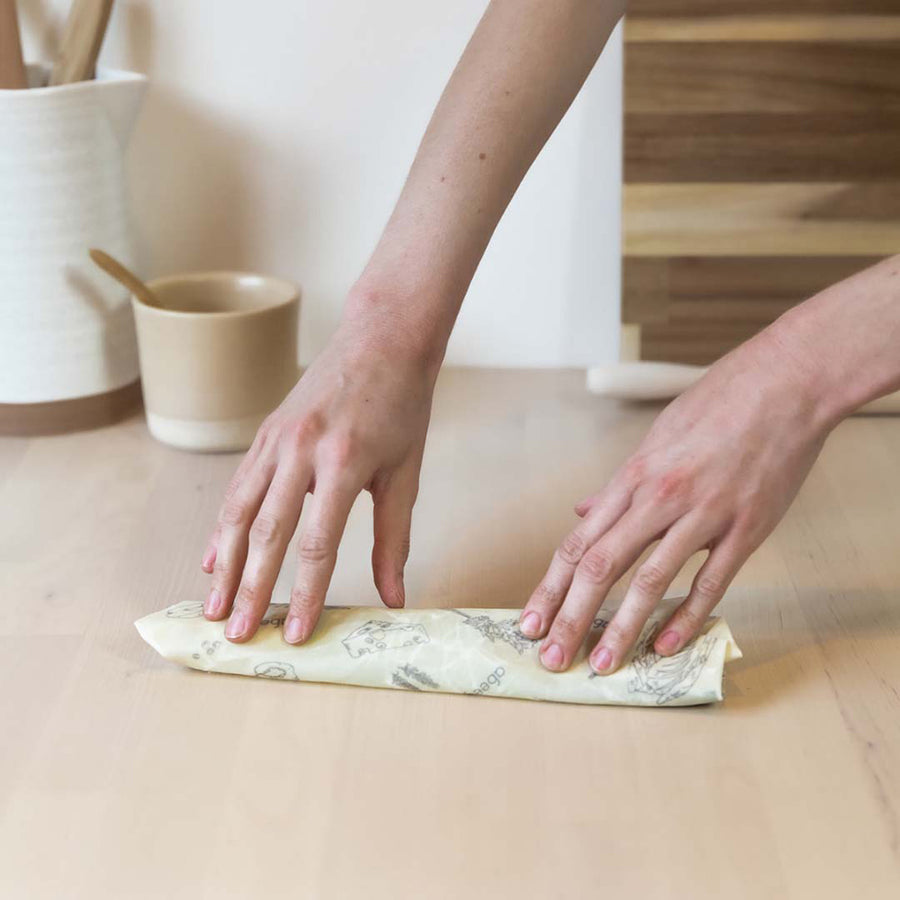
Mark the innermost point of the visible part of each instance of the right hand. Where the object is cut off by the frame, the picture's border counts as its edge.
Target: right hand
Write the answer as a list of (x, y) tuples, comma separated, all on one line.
[(355, 421)]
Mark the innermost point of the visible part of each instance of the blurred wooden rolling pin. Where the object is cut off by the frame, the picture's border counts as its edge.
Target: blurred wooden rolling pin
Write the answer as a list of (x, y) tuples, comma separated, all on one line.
[(664, 381), (12, 69)]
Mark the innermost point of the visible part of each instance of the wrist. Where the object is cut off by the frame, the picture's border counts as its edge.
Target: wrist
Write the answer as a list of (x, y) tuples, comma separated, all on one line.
[(395, 326), (798, 358)]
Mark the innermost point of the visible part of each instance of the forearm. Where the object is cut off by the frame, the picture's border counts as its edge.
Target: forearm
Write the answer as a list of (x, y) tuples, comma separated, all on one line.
[(845, 341), (521, 70)]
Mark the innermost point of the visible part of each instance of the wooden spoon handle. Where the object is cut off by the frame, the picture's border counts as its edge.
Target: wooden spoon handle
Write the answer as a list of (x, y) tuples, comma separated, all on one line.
[(12, 69), (85, 29), (125, 277)]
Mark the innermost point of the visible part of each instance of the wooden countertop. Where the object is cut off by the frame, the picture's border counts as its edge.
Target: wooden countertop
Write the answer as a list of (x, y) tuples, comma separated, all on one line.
[(123, 776)]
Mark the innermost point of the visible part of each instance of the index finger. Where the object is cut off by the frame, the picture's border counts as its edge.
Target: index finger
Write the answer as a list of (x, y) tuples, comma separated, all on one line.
[(316, 556)]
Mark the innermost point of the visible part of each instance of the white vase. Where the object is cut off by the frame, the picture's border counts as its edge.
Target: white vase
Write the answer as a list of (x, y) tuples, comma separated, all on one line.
[(66, 329)]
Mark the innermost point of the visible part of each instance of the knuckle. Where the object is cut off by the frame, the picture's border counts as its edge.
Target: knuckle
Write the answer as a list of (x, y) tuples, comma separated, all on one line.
[(616, 635), (572, 549), (752, 522), (314, 548), (634, 471), (303, 431), (709, 586), (673, 485), (690, 621), (234, 513), (233, 485), (303, 599), (266, 530), (651, 580), (598, 565), (343, 450), (545, 596), (250, 597)]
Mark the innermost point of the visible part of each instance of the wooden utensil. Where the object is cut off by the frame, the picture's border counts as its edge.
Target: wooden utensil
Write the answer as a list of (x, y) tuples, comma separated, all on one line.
[(125, 277), (12, 69), (664, 381), (83, 36)]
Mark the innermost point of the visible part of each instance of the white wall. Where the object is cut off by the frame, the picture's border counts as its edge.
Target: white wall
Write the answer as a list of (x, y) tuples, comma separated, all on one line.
[(276, 136)]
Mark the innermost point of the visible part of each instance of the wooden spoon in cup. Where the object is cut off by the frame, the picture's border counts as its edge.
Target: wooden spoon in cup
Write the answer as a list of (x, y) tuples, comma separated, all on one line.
[(125, 277)]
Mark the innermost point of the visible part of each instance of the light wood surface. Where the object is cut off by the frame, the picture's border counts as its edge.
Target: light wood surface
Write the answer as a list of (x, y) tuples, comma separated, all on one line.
[(122, 776)]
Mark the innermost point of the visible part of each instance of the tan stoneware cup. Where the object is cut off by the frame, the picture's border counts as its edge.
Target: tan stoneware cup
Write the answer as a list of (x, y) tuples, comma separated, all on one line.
[(217, 358)]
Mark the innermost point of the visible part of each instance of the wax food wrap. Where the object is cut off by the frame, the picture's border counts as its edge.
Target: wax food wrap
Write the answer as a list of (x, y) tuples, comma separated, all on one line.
[(459, 651)]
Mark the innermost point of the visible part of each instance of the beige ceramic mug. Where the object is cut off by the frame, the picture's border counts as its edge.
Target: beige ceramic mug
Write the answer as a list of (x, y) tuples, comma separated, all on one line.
[(217, 358)]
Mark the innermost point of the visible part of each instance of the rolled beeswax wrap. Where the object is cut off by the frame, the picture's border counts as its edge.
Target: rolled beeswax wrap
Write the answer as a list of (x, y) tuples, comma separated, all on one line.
[(458, 651)]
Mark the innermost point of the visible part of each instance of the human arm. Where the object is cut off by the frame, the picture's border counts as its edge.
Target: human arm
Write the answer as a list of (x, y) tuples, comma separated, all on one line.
[(358, 417), (718, 470)]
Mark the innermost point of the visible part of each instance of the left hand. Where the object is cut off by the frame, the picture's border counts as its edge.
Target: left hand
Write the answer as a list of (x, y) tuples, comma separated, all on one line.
[(717, 471)]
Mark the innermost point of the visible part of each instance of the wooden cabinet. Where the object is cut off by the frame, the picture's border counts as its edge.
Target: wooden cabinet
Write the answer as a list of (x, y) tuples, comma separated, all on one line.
[(762, 161)]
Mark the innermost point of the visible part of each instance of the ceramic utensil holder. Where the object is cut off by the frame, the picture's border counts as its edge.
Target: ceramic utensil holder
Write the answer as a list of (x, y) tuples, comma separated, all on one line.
[(217, 356), (68, 353)]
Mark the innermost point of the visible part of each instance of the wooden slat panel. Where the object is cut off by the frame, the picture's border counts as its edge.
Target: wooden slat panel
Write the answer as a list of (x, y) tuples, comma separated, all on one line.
[(761, 219), (760, 77), (738, 290), (762, 146), (696, 343), (758, 7), (765, 28)]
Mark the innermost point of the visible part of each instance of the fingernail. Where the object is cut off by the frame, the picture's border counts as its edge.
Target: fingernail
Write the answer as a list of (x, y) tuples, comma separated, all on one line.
[(237, 625), (213, 603), (209, 560), (293, 629), (530, 624), (668, 642), (601, 660), (552, 656)]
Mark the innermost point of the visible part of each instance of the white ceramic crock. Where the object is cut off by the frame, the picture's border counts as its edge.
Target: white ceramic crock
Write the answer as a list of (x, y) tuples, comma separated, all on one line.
[(66, 329)]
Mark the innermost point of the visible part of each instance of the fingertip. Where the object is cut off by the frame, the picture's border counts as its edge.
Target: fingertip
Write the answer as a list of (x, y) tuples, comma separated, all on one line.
[(214, 607), (294, 632), (239, 628), (602, 661), (530, 624), (667, 643), (208, 562), (553, 658), (391, 589), (394, 599)]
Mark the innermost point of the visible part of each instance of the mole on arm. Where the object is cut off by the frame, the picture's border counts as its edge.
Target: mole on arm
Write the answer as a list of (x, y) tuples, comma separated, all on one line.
[(482, 155)]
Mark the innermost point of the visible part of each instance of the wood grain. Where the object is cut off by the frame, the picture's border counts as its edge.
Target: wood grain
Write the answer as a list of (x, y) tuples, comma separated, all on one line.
[(755, 27), (761, 219), (123, 776), (740, 290), (736, 147), (713, 8), (690, 77), (761, 129)]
